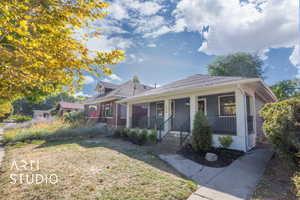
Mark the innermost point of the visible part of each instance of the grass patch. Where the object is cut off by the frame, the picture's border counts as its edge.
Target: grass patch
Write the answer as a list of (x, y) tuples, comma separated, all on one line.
[(99, 168), (49, 131)]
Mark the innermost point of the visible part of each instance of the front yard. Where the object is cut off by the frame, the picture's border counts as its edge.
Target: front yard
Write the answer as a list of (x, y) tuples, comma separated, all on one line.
[(94, 168)]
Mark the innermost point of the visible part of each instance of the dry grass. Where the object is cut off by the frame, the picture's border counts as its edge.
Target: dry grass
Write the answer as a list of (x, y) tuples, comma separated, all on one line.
[(99, 168), (277, 183)]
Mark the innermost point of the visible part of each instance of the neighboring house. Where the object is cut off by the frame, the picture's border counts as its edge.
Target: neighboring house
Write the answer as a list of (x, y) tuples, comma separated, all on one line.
[(230, 103), (65, 107), (103, 107), (41, 114)]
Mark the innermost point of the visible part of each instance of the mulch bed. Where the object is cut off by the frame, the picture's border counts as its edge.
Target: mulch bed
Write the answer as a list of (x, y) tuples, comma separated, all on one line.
[(225, 156)]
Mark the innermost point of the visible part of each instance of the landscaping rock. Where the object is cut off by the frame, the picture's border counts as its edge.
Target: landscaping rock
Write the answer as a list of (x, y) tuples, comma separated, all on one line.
[(211, 157)]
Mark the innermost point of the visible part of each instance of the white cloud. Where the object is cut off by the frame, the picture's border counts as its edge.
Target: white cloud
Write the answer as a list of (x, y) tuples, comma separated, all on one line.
[(81, 94), (115, 77), (105, 44), (254, 26), (151, 45), (132, 58), (112, 78), (120, 9), (88, 80), (107, 80)]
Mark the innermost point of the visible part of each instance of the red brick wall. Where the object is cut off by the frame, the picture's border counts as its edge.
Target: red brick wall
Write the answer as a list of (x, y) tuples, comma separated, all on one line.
[(111, 121)]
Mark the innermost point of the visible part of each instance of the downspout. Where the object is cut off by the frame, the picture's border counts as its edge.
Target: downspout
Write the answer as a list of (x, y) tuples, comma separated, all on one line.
[(116, 115), (245, 127)]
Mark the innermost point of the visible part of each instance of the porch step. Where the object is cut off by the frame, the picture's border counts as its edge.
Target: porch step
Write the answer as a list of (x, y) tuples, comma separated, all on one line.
[(170, 143)]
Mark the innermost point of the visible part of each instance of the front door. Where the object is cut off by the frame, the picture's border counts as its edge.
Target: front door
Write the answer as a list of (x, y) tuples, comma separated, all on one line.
[(202, 105), (181, 114), (160, 113)]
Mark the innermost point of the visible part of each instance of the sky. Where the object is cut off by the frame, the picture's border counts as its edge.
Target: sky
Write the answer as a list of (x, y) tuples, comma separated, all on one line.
[(167, 40)]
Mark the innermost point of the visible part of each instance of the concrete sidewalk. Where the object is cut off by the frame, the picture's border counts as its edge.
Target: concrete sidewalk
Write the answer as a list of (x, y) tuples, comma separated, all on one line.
[(234, 182), (1, 148)]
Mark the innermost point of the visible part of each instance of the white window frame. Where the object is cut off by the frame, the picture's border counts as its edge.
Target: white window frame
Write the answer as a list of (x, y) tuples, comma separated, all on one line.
[(219, 105), (104, 112), (205, 104)]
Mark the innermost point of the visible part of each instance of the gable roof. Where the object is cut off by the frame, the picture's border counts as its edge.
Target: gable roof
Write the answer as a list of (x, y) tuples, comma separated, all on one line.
[(108, 85), (192, 82), (124, 90), (69, 105)]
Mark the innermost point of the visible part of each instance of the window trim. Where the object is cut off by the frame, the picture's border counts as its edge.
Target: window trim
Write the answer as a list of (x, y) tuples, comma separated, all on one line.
[(219, 105), (205, 104), (103, 110)]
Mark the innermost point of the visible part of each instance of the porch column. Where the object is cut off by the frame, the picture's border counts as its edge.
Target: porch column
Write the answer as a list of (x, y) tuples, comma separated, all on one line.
[(241, 118), (167, 114), (129, 115), (193, 110)]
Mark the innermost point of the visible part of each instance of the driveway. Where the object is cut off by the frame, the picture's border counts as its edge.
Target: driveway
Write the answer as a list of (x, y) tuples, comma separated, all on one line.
[(234, 182)]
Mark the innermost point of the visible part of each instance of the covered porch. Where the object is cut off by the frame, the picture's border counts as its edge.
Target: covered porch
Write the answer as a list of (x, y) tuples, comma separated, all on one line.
[(230, 113)]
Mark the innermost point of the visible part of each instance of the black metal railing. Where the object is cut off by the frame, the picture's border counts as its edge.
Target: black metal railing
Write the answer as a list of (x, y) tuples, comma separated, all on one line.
[(183, 129), (165, 126)]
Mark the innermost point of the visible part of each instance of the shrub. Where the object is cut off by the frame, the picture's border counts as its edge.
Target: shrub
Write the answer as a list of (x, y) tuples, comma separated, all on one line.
[(225, 141), (76, 118), (20, 118), (142, 136), (125, 132), (152, 137), (202, 133), (117, 132), (280, 125)]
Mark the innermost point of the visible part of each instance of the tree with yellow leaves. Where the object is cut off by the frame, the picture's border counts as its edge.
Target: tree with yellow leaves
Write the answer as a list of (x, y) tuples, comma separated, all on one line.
[(39, 53)]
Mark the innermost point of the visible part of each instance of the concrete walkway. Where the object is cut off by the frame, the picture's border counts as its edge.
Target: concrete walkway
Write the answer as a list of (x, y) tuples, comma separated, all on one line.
[(1, 148), (234, 182)]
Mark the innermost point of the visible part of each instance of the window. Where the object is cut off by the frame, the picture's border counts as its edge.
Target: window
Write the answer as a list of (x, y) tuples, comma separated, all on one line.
[(106, 110), (227, 105), (123, 110), (92, 111)]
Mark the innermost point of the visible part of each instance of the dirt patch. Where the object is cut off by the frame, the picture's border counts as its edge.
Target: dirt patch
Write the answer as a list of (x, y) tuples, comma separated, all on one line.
[(276, 183), (225, 156)]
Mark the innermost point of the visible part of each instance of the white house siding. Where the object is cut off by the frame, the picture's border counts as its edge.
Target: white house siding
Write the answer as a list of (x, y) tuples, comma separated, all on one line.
[(259, 120)]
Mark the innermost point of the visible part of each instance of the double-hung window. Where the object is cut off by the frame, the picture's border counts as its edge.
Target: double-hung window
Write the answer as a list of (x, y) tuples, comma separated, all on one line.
[(227, 105)]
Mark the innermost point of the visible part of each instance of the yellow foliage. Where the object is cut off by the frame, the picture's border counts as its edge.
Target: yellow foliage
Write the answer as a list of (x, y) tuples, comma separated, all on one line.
[(5, 108), (38, 51)]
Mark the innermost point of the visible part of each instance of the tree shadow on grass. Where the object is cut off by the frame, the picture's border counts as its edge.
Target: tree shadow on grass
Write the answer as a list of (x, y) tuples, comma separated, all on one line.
[(145, 153)]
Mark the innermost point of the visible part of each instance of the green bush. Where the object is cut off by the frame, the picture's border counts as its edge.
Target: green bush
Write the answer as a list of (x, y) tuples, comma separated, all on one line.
[(117, 132), (280, 125), (133, 133), (20, 118), (142, 136), (152, 137), (225, 141), (202, 133), (75, 117), (125, 132)]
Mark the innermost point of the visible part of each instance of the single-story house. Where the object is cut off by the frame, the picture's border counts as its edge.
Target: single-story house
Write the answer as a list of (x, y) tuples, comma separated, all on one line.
[(231, 104), (65, 107), (41, 114), (103, 107)]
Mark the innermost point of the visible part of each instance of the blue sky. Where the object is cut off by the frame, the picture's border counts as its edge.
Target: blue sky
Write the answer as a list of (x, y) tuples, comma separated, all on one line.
[(166, 40)]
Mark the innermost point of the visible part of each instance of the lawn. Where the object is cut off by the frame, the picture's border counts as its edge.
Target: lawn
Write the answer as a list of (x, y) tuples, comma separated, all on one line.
[(92, 168), (276, 183)]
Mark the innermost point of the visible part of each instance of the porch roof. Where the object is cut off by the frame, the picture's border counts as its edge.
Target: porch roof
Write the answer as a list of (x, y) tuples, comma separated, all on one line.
[(196, 81)]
